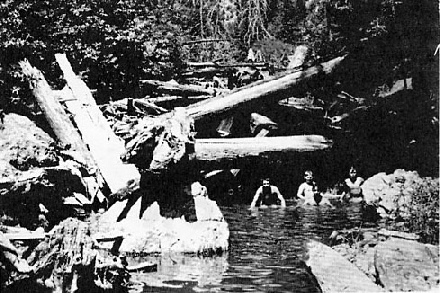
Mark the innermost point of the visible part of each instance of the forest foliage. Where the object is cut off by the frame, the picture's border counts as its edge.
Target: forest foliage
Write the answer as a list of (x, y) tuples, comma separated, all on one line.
[(115, 43)]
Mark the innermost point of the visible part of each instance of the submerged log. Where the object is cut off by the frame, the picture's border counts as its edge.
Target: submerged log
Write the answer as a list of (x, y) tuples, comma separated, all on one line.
[(272, 88), (104, 145), (214, 149)]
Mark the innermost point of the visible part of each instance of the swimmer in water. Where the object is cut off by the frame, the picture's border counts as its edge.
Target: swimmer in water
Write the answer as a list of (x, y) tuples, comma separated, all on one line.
[(268, 196)]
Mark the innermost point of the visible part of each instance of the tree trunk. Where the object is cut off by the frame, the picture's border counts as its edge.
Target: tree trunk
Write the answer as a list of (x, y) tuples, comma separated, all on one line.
[(276, 88), (215, 149), (104, 145), (57, 118)]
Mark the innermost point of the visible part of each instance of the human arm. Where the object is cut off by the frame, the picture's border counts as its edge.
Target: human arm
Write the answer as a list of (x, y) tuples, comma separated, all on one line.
[(280, 196), (300, 192), (256, 196)]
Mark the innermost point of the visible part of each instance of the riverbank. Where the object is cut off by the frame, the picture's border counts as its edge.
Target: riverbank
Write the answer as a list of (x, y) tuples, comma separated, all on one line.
[(395, 263)]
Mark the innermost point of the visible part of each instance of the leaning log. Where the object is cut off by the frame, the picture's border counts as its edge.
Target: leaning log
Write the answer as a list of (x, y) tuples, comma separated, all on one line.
[(215, 149), (55, 115), (104, 145), (275, 88), (173, 88)]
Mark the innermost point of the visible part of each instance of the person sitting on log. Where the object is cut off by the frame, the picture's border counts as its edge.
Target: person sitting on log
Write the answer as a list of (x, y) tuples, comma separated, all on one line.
[(268, 196), (352, 187)]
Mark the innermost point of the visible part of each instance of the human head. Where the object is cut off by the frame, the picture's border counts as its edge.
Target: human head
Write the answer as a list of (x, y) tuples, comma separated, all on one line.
[(266, 182), (308, 176), (353, 172)]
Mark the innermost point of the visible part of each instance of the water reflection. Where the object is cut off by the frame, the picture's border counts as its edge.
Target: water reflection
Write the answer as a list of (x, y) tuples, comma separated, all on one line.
[(177, 271), (267, 252)]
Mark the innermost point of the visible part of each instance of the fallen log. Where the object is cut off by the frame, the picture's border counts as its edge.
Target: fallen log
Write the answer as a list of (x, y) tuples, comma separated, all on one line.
[(104, 145), (174, 88), (214, 149), (55, 115), (272, 88), (228, 65)]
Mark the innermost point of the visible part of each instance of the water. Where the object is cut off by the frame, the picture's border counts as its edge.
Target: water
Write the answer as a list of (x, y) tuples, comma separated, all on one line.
[(267, 253)]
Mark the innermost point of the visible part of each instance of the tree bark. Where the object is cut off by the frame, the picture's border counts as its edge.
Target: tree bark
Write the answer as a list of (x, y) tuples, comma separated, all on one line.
[(57, 118), (105, 146), (275, 89), (215, 149)]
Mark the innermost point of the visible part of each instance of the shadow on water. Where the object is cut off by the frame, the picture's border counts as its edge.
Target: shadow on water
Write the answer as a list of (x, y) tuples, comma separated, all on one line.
[(267, 252)]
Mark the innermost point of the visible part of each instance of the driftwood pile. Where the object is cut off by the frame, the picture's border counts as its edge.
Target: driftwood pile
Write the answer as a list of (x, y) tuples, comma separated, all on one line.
[(150, 146)]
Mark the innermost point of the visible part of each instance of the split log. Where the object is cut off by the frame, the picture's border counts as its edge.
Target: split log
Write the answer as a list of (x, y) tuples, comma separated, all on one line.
[(104, 145), (55, 115), (275, 88), (336, 274), (215, 149), (174, 88)]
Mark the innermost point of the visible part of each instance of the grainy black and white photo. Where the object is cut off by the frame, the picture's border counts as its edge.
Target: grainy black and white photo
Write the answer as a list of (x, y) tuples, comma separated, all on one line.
[(219, 146)]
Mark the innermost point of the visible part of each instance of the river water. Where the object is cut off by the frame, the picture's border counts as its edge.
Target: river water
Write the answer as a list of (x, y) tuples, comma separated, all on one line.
[(267, 252)]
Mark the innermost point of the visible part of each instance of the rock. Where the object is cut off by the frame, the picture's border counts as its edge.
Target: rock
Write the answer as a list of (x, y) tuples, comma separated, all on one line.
[(153, 233), (405, 265), (364, 260), (391, 193), (27, 146), (336, 274), (207, 210)]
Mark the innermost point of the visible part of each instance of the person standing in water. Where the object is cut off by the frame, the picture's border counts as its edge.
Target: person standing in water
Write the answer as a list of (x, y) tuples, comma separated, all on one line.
[(268, 196), (353, 186), (306, 190)]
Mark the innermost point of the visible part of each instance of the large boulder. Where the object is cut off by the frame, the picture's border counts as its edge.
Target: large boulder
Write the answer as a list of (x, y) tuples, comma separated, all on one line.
[(406, 265), (391, 192), (151, 233), (335, 273), (24, 146)]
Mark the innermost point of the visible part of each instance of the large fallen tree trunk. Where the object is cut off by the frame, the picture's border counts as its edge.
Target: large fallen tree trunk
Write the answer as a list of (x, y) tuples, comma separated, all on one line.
[(214, 149), (156, 142), (104, 145), (55, 115), (273, 88)]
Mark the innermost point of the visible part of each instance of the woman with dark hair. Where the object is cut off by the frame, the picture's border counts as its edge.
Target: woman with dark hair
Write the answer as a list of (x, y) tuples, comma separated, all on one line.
[(353, 186)]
